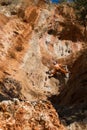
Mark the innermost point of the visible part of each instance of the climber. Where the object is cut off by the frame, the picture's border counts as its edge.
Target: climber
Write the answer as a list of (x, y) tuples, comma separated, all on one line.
[(57, 67)]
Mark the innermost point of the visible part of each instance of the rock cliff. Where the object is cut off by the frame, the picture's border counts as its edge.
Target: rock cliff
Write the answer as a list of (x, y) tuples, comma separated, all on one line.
[(34, 37)]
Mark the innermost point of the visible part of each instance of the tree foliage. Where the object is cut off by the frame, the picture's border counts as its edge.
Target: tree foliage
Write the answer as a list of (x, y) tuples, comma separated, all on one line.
[(81, 10), (61, 1)]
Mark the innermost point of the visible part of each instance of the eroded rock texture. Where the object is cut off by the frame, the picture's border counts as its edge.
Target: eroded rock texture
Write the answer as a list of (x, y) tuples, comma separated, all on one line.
[(34, 37), (71, 103), (77, 83), (16, 115)]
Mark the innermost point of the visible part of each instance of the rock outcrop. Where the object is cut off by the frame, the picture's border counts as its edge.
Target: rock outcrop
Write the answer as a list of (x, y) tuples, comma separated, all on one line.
[(35, 37), (16, 115), (76, 92), (71, 103)]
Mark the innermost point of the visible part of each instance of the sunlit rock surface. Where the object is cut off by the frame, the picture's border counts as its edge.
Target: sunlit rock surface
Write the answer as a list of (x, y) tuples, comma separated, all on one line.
[(34, 35), (20, 115)]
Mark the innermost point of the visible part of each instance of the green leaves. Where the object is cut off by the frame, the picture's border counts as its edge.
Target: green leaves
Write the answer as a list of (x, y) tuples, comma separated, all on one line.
[(60, 1), (81, 10)]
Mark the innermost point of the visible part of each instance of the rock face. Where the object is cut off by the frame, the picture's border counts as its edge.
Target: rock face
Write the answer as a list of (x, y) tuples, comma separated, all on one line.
[(10, 89), (77, 83), (71, 103), (16, 115), (34, 37), (33, 42)]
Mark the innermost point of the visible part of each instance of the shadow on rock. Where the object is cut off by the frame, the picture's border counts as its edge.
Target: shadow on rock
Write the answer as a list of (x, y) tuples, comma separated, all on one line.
[(9, 89), (71, 103)]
